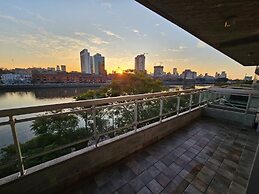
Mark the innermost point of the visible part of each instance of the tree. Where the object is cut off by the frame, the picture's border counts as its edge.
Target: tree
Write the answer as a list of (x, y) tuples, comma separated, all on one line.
[(126, 84)]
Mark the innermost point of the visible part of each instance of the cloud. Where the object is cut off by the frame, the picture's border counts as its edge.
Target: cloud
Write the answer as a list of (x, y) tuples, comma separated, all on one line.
[(15, 20), (135, 30), (180, 48), (157, 25), (35, 15), (106, 5), (80, 33), (162, 33), (97, 40), (109, 33), (201, 44)]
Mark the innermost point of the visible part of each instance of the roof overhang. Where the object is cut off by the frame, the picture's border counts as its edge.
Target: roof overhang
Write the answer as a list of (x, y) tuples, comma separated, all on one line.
[(231, 27)]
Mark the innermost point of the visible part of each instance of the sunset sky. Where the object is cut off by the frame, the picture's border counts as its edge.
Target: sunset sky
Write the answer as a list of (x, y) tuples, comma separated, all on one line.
[(44, 33)]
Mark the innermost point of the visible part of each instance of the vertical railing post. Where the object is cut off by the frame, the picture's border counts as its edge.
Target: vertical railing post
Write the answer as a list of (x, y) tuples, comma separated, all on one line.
[(200, 93), (248, 103), (94, 124), (136, 115), (17, 145), (161, 110), (178, 104), (190, 102)]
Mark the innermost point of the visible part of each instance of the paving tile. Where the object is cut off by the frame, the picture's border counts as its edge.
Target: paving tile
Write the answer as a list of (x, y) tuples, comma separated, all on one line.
[(186, 175), (136, 184), (162, 179), (126, 189), (189, 154), (191, 190), (206, 157), (199, 184), (171, 187), (153, 171), (169, 159), (107, 188), (160, 166), (144, 190), (226, 173), (145, 177), (101, 178), (175, 167), (170, 173), (193, 150), (219, 184), (236, 188), (154, 186)]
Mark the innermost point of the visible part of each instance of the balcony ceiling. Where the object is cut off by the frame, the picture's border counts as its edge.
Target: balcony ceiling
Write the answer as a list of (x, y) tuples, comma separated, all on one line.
[(231, 27)]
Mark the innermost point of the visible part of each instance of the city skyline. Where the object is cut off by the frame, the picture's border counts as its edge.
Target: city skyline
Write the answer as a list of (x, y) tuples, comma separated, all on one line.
[(47, 33)]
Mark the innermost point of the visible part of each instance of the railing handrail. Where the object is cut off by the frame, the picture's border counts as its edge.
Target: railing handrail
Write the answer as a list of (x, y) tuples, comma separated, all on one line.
[(235, 91), (88, 103)]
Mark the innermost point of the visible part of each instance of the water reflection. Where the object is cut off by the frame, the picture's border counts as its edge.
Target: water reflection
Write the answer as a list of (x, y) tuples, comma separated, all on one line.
[(31, 98), (38, 97)]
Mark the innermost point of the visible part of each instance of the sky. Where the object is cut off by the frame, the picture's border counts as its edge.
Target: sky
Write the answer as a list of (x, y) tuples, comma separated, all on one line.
[(45, 33)]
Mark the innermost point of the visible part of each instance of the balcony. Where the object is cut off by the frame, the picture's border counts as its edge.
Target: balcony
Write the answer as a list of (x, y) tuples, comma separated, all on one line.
[(193, 141)]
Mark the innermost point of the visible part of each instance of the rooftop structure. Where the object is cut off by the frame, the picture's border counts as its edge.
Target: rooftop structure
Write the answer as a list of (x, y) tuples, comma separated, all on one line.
[(205, 144), (225, 25)]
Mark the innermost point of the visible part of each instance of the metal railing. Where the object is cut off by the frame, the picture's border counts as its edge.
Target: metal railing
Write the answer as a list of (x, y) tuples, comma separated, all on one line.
[(242, 100), (132, 112)]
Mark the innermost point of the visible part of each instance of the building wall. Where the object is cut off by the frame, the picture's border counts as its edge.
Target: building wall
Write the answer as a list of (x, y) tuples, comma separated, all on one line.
[(158, 70), (63, 77), (98, 64), (140, 63), (85, 62)]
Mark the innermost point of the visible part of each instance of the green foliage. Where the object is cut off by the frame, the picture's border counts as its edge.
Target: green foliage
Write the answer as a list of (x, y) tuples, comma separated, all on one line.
[(61, 125), (125, 84), (52, 132)]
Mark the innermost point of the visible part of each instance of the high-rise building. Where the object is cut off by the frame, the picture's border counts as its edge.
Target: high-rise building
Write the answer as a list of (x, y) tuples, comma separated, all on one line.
[(85, 58), (175, 72), (140, 63), (217, 75), (98, 64), (58, 68), (63, 68), (189, 74), (223, 75), (158, 70)]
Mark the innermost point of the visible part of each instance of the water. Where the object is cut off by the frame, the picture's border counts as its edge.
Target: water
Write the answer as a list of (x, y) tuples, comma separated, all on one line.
[(31, 98)]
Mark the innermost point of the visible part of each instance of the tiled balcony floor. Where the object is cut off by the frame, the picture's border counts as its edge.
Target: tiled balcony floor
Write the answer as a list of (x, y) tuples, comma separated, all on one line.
[(205, 157)]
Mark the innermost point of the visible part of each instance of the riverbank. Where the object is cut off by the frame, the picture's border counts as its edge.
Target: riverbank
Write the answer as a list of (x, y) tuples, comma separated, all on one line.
[(54, 85)]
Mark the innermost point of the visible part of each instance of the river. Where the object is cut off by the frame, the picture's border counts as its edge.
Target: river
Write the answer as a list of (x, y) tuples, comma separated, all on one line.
[(31, 98)]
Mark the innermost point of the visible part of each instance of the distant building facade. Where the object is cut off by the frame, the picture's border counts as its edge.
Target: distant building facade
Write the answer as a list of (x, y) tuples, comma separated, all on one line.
[(64, 77), (63, 68), (248, 78), (58, 68), (10, 79), (222, 75), (140, 63), (188, 74), (98, 64), (175, 72), (86, 65), (158, 71)]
